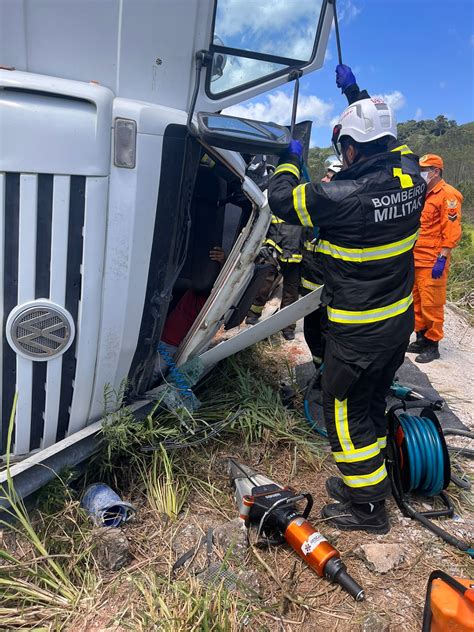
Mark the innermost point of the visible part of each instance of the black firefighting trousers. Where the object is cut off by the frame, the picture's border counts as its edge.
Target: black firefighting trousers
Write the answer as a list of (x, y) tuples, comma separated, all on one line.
[(291, 279), (314, 328), (354, 410)]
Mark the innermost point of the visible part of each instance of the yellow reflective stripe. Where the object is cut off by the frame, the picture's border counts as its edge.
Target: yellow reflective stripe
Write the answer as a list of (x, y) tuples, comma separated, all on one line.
[(308, 285), (287, 167), (277, 220), (256, 309), (382, 442), (342, 425), (358, 454), (369, 315), (299, 202), (361, 255), (207, 161), (365, 480), (308, 245), (270, 242), (292, 259), (405, 179), (403, 149)]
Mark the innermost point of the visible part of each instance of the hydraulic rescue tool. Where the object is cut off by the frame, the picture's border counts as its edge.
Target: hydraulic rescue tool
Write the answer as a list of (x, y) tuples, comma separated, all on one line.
[(273, 509)]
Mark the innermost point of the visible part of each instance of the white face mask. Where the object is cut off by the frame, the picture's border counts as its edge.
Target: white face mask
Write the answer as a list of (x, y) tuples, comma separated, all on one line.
[(426, 176)]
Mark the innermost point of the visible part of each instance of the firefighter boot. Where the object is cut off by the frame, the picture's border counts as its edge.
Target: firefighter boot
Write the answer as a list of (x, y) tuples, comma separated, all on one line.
[(337, 489), (429, 353), (252, 318), (419, 345), (371, 517)]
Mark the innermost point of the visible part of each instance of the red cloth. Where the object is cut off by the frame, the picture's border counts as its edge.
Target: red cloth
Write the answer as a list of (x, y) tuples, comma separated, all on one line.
[(179, 321)]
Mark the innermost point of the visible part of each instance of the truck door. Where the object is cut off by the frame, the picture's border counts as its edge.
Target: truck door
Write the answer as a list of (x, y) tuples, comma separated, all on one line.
[(254, 45)]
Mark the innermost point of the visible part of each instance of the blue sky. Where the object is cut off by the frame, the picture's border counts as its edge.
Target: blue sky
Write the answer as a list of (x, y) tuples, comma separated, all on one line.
[(418, 53)]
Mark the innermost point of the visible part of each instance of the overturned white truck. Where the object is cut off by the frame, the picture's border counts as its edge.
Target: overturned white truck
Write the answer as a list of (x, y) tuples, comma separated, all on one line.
[(107, 207)]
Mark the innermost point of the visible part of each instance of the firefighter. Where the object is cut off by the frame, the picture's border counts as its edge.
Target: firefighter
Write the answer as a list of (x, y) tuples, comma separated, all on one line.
[(368, 217), (440, 232), (312, 278), (282, 250)]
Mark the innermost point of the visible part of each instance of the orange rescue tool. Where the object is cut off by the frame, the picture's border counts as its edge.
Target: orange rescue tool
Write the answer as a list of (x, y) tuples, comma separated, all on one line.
[(273, 508)]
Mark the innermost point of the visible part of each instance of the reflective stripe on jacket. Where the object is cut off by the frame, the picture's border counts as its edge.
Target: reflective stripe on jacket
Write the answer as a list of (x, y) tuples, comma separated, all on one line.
[(311, 267), (368, 217), (440, 223)]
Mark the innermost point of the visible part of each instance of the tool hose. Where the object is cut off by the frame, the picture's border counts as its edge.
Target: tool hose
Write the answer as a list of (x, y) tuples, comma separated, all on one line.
[(425, 454)]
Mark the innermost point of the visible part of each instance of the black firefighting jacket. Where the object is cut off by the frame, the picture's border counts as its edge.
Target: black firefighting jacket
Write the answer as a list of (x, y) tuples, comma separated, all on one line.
[(286, 239), (368, 217), (311, 267)]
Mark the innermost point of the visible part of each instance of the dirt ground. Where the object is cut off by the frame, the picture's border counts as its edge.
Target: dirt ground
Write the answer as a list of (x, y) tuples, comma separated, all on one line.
[(293, 597)]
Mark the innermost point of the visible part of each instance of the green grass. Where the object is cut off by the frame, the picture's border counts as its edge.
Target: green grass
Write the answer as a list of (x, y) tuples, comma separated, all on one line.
[(461, 273), (49, 578)]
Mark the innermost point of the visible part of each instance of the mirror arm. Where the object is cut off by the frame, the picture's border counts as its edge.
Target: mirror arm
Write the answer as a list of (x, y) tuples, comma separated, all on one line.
[(295, 76), (203, 59)]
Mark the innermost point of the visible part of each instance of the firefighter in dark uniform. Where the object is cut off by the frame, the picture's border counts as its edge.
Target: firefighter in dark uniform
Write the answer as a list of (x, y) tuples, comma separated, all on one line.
[(312, 278), (368, 217), (282, 250)]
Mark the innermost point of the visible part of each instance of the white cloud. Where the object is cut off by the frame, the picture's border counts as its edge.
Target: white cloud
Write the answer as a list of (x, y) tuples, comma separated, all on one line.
[(396, 99), (277, 108), (418, 114), (347, 11), (247, 18)]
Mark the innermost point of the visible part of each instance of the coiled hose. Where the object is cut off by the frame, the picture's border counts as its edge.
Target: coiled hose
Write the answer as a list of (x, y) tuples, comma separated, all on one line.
[(426, 458)]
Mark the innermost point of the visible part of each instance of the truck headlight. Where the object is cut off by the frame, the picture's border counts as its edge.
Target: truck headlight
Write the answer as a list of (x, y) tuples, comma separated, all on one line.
[(125, 149)]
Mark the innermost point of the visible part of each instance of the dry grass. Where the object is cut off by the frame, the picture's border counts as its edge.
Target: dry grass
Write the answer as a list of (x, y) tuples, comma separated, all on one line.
[(49, 579)]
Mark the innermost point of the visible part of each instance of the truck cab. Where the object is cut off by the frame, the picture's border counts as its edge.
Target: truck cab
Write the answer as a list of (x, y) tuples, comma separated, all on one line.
[(109, 198)]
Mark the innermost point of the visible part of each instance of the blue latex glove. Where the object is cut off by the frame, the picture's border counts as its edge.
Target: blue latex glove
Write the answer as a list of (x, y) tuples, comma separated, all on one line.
[(438, 268), (296, 148), (344, 77)]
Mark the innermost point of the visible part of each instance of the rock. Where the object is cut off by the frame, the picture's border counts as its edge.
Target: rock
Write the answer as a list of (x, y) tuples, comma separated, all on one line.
[(373, 623), (231, 537), (186, 539), (380, 558), (249, 582), (111, 548)]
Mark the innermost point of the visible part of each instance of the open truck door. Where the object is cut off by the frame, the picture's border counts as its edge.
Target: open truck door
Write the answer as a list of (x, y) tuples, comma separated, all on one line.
[(254, 46)]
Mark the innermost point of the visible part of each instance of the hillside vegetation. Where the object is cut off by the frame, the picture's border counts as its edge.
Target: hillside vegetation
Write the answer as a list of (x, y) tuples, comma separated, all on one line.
[(453, 142)]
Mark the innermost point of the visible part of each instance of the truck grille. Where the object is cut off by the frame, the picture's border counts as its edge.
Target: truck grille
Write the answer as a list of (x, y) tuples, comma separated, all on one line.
[(48, 225)]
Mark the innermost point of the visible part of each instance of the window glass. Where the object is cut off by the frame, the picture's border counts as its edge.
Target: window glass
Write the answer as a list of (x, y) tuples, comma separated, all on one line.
[(281, 28)]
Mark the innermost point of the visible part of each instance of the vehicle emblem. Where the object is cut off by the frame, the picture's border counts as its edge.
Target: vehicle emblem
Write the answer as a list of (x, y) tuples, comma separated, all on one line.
[(40, 330)]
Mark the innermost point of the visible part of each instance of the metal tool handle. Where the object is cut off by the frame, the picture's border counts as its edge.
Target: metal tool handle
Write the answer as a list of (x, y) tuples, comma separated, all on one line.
[(295, 76), (336, 28)]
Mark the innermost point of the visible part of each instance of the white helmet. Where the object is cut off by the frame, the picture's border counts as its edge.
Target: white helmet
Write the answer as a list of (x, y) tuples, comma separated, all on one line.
[(332, 163), (365, 121)]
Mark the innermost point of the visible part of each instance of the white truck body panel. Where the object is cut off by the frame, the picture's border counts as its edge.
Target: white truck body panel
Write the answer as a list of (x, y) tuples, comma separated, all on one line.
[(77, 231), (140, 49)]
